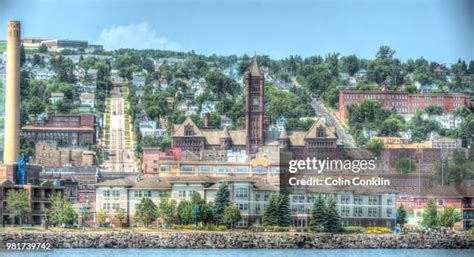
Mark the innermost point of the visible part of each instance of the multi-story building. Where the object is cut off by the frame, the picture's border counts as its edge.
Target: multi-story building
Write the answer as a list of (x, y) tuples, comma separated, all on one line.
[(48, 154), (38, 192), (401, 101), (251, 195), (73, 130), (462, 198), (60, 44)]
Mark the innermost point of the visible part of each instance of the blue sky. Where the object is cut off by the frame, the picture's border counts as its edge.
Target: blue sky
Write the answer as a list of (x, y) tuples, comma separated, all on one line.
[(438, 30)]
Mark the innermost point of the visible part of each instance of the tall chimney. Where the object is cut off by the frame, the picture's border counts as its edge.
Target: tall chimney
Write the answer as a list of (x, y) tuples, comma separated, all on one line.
[(12, 95)]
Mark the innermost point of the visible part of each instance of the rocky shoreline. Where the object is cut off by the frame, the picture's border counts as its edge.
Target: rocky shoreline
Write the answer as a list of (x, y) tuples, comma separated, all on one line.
[(209, 240)]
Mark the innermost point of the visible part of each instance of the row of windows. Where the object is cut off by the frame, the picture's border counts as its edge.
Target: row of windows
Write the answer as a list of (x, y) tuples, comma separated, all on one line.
[(221, 169), (108, 206), (107, 193)]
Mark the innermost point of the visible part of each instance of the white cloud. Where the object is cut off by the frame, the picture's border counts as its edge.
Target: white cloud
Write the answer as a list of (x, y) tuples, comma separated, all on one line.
[(138, 36)]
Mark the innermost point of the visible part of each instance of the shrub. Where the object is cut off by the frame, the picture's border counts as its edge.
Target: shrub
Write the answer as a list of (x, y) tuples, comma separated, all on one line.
[(221, 228), (377, 230), (276, 229), (256, 228), (353, 229), (183, 227)]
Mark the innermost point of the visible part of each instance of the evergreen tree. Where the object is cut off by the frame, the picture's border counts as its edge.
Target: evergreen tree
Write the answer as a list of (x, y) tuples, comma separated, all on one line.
[(270, 215), (429, 215), (284, 217), (332, 218), (222, 200), (401, 216), (317, 223)]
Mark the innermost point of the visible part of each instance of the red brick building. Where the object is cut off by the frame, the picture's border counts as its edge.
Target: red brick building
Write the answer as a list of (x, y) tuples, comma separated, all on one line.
[(74, 130), (402, 102)]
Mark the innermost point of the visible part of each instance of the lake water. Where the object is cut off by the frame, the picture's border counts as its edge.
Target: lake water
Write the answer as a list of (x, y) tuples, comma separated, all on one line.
[(240, 253)]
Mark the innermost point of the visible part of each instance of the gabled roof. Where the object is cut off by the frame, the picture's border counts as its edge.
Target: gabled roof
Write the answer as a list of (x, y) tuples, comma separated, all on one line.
[(128, 181), (317, 124), (152, 183), (225, 133), (283, 134), (179, 131)]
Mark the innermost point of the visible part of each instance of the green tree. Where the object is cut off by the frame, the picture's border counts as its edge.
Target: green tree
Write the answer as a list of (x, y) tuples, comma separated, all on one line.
[(146, 212), (101, 217), (167, 210), (18, 205), (391, 127), (434, 110), (27, 146), (375, 145), (120, 216), (222, 200), (331, 217), (284, 212), (185, 212), (351, 64), (318, 216), (405, 165), (429, 217), (270, 215), (449, 216), (61, 210), (42, 49), (231, 215), (401, 216)]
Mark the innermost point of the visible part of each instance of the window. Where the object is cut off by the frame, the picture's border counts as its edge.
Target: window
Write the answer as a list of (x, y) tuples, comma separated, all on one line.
[(188, 131), (165, 168), (418, 202), (115, 206), (223, 169), (345, 199), (115, 193), (241, 192), (106, 193), (186, 169), (440, 202), (320, 132), (357, 211), (106, 206), (389, 200), (242, 169), (205, 169), (389, 212), (373, 200), (182, 193), (357, 199), (372, 212), (259, 169), (257, 197), (243, 206)]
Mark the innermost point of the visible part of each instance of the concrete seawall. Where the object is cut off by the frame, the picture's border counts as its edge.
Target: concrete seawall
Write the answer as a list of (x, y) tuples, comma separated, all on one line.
[(188, 239)]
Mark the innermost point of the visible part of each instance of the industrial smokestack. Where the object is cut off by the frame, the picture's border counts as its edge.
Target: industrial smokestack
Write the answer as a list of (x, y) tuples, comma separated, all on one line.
[(12, 95)]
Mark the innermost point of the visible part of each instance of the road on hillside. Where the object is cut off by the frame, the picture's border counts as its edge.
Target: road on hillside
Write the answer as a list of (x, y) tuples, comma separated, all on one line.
[(121, 159), (331, 120)]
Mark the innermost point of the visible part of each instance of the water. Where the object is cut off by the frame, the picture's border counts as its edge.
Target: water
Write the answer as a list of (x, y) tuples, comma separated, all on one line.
[(241, 253)]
